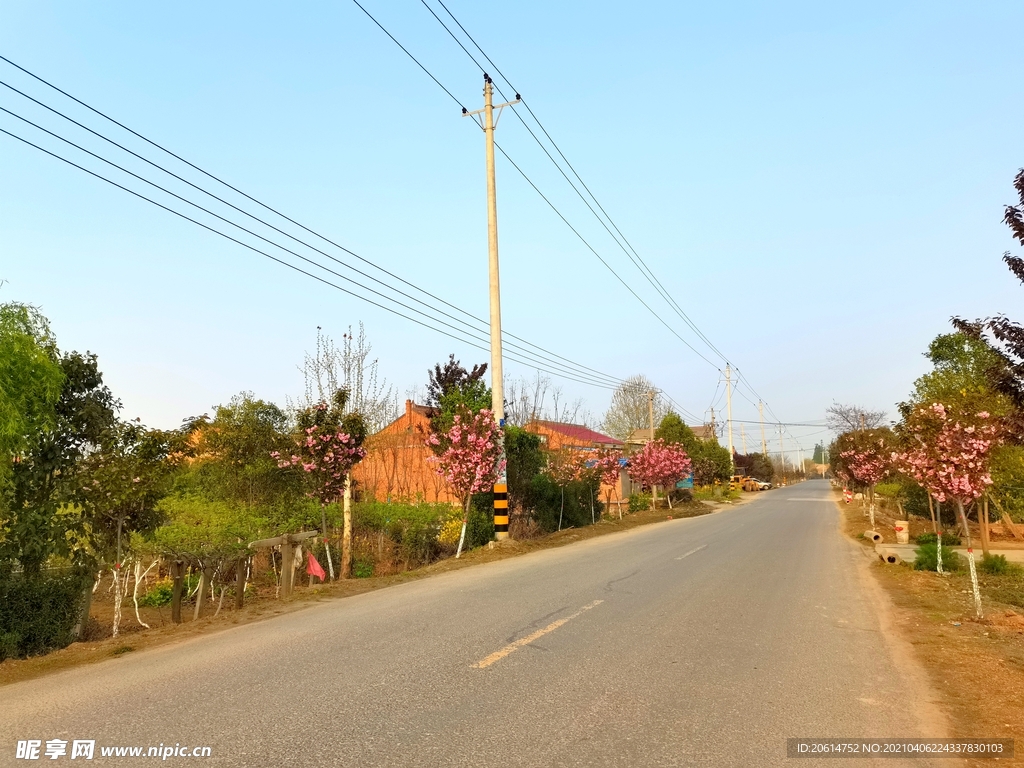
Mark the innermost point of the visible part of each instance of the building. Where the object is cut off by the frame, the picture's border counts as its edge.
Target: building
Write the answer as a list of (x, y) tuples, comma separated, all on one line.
[(396, 465), (557, 436)]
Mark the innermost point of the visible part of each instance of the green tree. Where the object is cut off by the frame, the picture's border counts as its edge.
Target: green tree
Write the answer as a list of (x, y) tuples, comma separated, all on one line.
[(710, 460), (525, 461), (231, 455), (30, 381), (43, 479)]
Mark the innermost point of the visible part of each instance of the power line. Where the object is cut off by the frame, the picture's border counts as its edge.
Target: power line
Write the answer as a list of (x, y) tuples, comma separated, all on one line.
[(275, 244), (635, 257), (216, 231), (583, 372), (544, 197)]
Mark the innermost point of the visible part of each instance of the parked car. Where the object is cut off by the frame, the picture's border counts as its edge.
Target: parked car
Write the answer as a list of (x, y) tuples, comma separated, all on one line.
[(764, 486)]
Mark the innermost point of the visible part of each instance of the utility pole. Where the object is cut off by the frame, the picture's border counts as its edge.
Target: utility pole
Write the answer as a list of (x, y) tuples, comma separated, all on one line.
[(782, 455), (743, 438), (713, 431), (728, 405), (650, 414), (764, 443), (497, 393)]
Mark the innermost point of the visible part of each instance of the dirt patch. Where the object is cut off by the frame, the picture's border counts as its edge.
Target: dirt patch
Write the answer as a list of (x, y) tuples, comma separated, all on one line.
[(975, 667), (263, 604)]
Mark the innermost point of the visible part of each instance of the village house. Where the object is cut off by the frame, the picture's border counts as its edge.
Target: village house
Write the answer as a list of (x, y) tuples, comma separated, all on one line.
[(396, 465)]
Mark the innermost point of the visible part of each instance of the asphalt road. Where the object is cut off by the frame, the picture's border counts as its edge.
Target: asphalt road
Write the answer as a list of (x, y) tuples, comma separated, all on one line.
[(706, 641)]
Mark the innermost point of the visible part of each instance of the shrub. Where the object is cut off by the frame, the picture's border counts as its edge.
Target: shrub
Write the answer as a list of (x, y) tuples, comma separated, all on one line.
[(993, 564), (927, 558), (638, 502), (948, 539), (362, 568), (159, 595), (38, 615), (579, 496)]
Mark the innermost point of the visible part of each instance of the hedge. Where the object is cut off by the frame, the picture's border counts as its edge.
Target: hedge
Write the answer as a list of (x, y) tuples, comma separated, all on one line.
[(39, 615)]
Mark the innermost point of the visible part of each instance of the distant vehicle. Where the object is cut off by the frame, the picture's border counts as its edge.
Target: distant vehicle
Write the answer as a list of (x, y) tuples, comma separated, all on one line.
[(744, 482), (764, 486)]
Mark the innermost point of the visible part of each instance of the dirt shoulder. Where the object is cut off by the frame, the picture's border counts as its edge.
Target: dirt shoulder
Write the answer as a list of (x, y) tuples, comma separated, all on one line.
[(975, 667), (134, 637)]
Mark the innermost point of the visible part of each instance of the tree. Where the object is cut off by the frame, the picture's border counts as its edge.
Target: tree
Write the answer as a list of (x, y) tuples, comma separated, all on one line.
[(819, 453), (120, 485), (660, 463), (949, 453), (470, 461), (530, 399), (231, 455), (672, 429), (525, 460), (845, 418), (42, 480), (866, 456), (451, 391), (564, 468), (31, 379), (328, 443), (350, 368), (629, 409), (608, 464)]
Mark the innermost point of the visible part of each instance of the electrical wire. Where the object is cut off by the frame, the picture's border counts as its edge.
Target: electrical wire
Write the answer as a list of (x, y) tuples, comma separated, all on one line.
[(216, 231), (585, 370)]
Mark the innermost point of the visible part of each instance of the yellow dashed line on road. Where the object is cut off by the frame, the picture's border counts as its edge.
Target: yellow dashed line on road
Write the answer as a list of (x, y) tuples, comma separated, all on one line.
[(501, 654)]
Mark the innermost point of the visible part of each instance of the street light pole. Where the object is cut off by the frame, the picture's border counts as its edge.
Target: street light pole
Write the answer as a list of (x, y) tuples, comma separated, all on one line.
[(488, 125)]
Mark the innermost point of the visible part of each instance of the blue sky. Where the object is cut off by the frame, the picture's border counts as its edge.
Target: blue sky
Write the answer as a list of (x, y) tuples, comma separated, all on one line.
[(819, 186)]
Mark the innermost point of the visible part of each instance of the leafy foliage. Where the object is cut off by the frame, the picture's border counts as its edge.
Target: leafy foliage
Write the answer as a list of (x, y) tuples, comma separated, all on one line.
[(39, 614), (927, 558)]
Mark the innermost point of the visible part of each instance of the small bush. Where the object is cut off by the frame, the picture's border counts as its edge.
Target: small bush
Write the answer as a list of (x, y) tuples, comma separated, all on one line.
[(948, 539), (927, 559), (993, 564), (638, 502), (159, 595), (38, 615), (362, 568)]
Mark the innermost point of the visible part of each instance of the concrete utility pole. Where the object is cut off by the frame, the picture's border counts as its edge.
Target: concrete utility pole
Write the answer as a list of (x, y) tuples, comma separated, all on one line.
[(713, 430), (764, 443), (743, 440), (497, 393), (728, 405), (650, 415), (782, 454)]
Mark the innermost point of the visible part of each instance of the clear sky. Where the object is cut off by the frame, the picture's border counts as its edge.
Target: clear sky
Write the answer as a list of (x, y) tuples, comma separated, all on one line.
[(818, 185)]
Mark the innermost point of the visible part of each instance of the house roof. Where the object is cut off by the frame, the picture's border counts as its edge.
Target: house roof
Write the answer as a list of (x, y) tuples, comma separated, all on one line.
[(577, 432), (640, 436)]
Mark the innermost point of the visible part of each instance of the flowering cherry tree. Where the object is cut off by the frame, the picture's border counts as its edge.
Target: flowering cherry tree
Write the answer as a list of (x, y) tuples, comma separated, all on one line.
[(608, 464), (660, 463), (949, 455), (567, 466), (867, 457), (328, 444), (471, 459)]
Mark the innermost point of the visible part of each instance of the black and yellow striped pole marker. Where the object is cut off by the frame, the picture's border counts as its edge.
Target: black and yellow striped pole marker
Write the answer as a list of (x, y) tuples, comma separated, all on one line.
[(500, 510)]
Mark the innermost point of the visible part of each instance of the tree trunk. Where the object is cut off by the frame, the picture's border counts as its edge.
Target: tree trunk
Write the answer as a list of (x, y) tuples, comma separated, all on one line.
[(1010, 526), (327, 543), (931, 512), (982, 506), (465, 522), (346, 534), (204, 580), (177, 585), (970, 560), (240, 583), (561, 509)]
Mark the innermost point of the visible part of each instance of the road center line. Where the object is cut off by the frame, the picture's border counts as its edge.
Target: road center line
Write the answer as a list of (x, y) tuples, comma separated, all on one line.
[(698, 549), (501, 654)]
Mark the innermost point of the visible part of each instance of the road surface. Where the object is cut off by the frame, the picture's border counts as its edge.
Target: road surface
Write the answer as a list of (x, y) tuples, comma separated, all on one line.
[(706, 641)]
